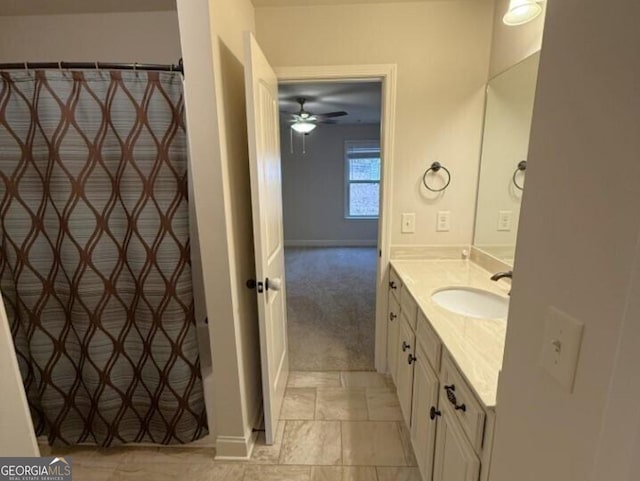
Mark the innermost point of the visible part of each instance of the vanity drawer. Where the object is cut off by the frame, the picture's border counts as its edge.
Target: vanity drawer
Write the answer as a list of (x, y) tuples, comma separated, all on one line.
[(469, 411), (429, 340), (395, 284), (409, 307)]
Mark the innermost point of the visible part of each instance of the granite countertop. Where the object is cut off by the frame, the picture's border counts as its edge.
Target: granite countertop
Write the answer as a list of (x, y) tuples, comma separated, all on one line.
[(476, 345)]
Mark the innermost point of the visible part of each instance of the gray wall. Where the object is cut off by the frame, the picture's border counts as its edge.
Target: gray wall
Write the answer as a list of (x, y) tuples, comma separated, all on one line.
[(313, 188)]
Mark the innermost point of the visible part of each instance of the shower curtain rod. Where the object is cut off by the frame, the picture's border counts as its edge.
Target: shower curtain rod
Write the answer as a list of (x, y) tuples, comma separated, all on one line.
[(179, 67)]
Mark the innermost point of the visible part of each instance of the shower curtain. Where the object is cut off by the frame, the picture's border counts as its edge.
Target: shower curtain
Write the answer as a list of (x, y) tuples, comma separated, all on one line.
[(94, 255)]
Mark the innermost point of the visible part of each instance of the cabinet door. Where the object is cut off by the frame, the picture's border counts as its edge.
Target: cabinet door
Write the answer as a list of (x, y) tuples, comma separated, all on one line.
[(404, 382), (393, 323), (454, 459), (423, 428)]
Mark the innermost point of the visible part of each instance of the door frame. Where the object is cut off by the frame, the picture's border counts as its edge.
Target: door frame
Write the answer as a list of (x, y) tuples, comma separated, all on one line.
[(387, 74)]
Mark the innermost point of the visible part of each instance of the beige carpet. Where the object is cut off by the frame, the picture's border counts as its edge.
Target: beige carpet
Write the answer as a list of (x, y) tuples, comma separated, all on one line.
[(331, 308)]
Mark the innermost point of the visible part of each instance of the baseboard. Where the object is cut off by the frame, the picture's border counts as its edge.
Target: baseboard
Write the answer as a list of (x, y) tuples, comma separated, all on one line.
[(331, 243), (238, 448), (234, 447)]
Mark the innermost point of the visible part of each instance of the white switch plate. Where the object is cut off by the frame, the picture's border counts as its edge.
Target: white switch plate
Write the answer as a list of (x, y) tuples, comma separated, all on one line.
[(443, 222), (504, 220), (408, 223), (561, 348)]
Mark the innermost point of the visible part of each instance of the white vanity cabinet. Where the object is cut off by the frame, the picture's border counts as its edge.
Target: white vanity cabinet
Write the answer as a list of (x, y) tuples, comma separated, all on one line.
[(454, 459), (393, 328), (424, 413), (405, 366), (393, 322), (451, 430)]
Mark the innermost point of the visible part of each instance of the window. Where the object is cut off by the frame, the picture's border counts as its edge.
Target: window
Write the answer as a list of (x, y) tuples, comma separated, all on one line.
[(362, 186)]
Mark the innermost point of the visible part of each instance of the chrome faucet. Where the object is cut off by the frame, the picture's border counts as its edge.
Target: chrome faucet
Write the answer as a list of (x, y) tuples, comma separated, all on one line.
[(501, 275)]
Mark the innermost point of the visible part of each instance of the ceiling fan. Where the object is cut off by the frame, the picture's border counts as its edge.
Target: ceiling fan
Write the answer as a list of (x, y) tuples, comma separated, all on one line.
[(304, 122)]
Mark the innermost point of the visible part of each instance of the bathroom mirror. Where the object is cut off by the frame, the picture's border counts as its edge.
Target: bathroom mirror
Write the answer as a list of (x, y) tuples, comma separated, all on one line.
[(505, 144)]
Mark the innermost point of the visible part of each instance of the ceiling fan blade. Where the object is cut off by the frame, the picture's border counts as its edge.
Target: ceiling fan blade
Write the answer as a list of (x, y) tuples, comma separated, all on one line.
[(331, 115)]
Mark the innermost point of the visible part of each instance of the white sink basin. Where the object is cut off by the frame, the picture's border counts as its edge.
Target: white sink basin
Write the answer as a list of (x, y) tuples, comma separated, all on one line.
[(472, 302)]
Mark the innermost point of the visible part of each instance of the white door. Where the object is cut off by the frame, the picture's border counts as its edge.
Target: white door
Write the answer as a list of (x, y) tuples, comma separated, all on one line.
[(266, 198)]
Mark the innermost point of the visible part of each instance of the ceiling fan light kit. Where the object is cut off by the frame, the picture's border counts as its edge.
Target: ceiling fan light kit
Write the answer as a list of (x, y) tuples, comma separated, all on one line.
[(303, 126)]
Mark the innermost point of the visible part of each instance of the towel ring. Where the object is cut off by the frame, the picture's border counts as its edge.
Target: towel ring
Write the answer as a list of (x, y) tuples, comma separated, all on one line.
[(436, 167), (522, 167)]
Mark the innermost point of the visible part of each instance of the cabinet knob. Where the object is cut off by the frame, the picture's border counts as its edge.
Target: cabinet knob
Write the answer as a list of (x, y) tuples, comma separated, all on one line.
[(393, 285), (405, 346), (452, 398), (434, 413), (392, 316), (411, 358)]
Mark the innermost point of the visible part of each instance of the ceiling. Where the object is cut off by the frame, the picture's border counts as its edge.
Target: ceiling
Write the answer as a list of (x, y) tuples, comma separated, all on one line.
[(308, 3), (362, 100), (51, 7)]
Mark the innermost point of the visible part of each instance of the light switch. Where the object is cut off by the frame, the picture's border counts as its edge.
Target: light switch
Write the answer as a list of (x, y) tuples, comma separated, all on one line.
[(504, 220), (443, 223), (408, 223), (561, 349)]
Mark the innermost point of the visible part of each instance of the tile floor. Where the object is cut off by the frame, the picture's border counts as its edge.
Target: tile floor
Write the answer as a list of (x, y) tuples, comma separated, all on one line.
[(336, 426)]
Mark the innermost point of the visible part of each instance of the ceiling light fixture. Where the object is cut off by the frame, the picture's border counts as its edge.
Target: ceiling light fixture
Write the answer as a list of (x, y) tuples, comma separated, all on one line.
[(521, 12), (303, 127)]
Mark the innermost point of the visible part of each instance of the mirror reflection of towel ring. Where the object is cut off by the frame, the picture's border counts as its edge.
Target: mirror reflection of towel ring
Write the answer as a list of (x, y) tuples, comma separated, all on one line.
[(522, 167), (436, 167)]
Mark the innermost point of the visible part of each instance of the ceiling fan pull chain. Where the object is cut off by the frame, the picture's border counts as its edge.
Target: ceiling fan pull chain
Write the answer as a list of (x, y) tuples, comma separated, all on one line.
[(304, 149), (291, 139)]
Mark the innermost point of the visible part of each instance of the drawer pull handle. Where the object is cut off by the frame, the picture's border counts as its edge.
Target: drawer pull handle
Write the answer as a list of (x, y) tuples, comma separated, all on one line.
[(392, 285), (452, 398), (411, 358), (405, 346), (392, 316), (434, 413)]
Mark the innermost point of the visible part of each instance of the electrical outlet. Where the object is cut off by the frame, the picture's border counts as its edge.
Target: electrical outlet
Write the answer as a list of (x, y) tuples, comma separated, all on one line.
[(561, 348), (504, 220), (443, 223), (408, 223)]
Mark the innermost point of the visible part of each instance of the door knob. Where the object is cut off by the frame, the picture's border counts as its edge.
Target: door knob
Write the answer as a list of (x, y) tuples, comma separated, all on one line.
[(274, 284)]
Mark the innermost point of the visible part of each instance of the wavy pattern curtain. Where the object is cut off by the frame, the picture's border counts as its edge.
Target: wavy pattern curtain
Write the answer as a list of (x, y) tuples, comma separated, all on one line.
[(94, 255)]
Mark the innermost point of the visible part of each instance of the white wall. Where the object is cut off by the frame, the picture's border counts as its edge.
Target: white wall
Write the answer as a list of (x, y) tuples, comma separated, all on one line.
[(229, 20), (17, 436), (442, 53), (510, 45), (145, 37), (212, 43), (313, 188), (578, 250)]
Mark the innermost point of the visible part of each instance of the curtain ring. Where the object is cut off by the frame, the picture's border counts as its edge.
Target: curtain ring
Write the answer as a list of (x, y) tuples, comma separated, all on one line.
[(435, 167), (26, 67), (522, 167)]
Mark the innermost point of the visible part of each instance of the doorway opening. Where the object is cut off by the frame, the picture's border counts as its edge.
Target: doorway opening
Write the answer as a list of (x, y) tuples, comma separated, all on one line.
[(331, 189)]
